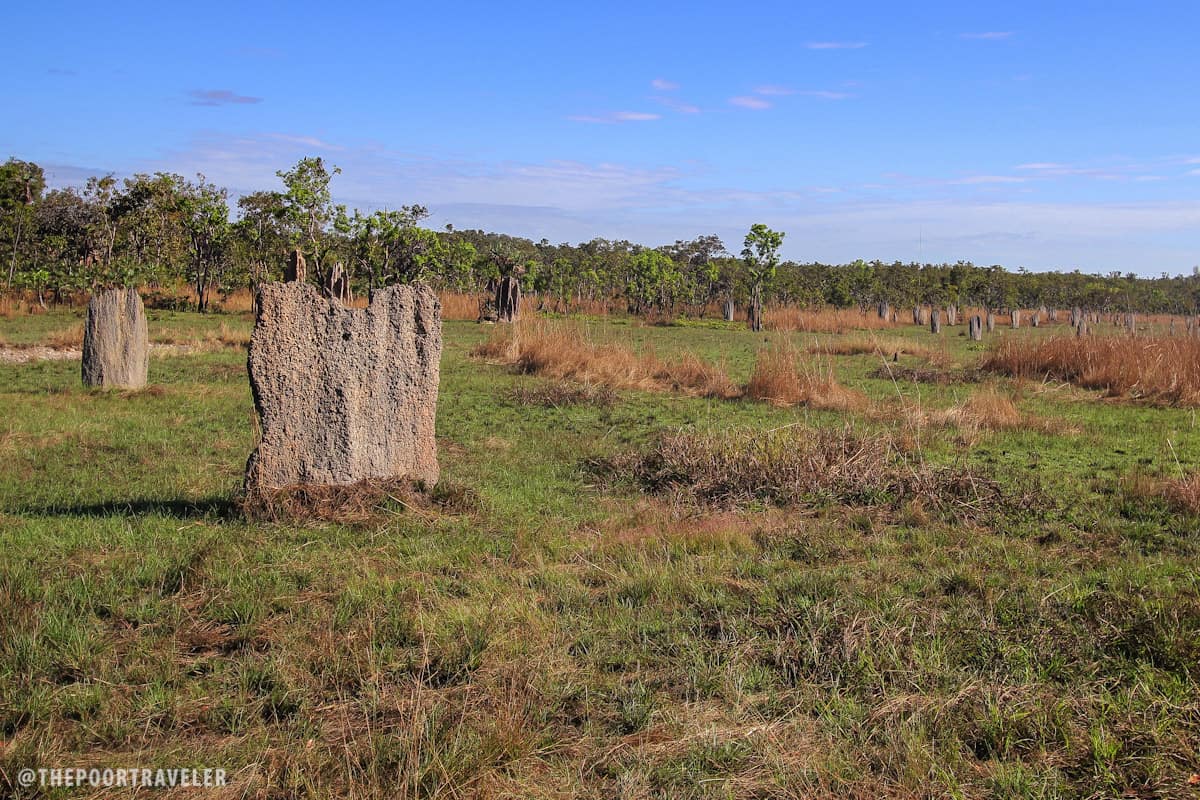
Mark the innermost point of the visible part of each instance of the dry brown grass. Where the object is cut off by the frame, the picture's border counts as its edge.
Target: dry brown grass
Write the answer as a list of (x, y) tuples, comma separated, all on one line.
[(1162, 370), (460, 306), (783, 376), (565, 351), (889, 346), (825, 320), (798, 466), (564, 393), (1184, 493), (993, 410), (362, 502), (986, 409), (225, 336)]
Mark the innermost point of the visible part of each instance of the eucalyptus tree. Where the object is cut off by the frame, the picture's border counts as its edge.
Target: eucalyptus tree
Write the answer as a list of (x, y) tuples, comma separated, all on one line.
[(760, 254), (152, 241), (308, 210), (259, 235), (21, 187), (204, 213)]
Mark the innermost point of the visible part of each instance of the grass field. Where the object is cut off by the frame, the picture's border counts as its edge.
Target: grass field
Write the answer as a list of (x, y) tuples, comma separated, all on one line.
[(615, 593)]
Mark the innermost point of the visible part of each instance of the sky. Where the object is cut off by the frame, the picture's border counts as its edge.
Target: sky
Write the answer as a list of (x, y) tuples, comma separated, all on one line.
[(1038, 135)]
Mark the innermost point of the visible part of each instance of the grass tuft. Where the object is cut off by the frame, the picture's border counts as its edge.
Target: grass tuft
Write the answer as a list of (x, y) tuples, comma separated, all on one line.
[(797, 466), (1162, 370), (564, 351), (782, 376)]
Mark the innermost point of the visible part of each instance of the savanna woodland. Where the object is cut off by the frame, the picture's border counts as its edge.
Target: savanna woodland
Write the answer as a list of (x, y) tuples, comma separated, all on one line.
[(710, 523)]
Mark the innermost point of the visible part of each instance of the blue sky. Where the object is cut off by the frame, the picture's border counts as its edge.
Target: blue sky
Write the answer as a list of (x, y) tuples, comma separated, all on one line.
[(1039, 135)]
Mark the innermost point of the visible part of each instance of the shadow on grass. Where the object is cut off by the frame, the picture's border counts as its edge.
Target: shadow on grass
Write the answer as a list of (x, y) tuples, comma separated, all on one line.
[(203, 508)]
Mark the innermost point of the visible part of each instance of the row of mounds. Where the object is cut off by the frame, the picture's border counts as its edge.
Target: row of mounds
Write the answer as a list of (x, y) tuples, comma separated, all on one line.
[(346, 398)]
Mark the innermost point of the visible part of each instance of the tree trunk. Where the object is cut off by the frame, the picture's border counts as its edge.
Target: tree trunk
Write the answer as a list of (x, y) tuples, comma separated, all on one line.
[(508, 299), (754, 312)]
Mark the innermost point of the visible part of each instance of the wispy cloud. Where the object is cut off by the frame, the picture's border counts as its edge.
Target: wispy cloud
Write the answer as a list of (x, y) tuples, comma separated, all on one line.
[(978, 180), (220, 97), (61, 71), (304, 141), (835, 45), (772, 89), (987, 35), (1111, 170), (612, 117), (746, 101), (664, 85), (824, 94), (677, 105)]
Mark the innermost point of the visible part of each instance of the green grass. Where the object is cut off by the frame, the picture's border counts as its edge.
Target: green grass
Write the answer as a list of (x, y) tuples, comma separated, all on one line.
[(571, 637)]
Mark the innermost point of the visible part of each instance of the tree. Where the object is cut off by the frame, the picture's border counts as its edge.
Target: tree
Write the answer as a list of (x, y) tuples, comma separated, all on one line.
[(204, 210), (653, 278), (308, 210), (760, 253), (21, 187), (151, 237), (259, 233)]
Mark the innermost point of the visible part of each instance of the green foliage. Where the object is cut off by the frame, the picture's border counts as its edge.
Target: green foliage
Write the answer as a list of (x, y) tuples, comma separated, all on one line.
[(57, 242)]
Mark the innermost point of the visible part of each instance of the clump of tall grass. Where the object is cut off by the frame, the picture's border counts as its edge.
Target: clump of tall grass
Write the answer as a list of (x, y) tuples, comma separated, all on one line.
[(1184, 493), (460, 306), (565, 351), (1163, 370), (823, 320), (993, 410), (561, 350), (783, 376)]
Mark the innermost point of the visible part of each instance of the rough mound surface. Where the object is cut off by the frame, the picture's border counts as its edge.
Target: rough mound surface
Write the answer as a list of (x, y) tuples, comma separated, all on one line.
[(116, 349), (344, 394)]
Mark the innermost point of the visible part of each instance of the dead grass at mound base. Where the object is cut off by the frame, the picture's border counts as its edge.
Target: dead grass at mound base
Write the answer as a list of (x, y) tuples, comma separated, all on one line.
[(356, 503)]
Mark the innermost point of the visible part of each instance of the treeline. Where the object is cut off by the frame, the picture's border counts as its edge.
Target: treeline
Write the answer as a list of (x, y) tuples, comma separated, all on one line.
[(162, 230)]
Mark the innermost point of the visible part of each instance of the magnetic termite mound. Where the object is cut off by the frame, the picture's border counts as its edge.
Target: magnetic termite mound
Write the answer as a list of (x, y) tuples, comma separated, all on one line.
[(116, 347), (344, 395)]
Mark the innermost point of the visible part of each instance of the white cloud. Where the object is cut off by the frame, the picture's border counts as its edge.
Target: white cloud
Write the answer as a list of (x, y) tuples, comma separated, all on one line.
[(835, 45), (772, 89), (664, 85), (987, 35), (973, 180), (746, 101), (677, 105), (616, 116), (826, 95), (1041, 165)]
